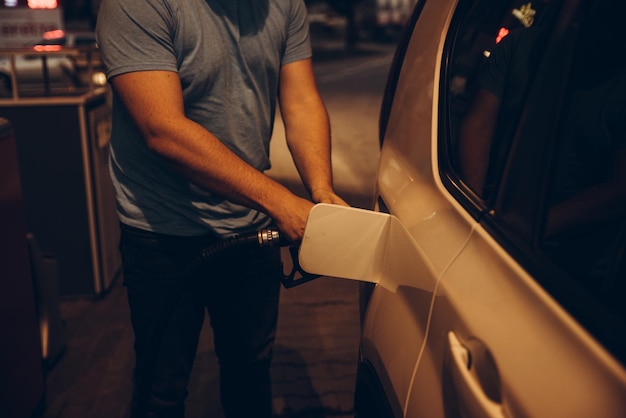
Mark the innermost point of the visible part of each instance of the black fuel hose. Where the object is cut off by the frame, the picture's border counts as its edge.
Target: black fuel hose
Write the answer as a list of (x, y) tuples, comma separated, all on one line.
[(264, 238)]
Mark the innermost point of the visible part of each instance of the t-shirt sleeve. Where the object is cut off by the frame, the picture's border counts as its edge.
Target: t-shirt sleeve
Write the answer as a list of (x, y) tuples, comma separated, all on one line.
[(298, 46), (135, 36)]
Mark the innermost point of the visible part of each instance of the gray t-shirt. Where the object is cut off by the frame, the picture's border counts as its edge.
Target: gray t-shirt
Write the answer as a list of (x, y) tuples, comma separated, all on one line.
[(228, 54)]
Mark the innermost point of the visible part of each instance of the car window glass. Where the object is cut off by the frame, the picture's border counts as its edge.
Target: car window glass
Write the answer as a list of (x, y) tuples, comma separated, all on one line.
[(497, 48), (585, 231), (543, 146)]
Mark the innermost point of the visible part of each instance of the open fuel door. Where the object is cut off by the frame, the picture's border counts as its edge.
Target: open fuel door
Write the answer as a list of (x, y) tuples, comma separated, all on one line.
[(351, 243)]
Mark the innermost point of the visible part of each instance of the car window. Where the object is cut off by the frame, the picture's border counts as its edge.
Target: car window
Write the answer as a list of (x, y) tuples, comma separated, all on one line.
[(496, 49), (585, 207), (533, 134)]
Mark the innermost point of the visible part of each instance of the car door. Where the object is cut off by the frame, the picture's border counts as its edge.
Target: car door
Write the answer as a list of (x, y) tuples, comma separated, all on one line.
[(528, 318), (395, 323)]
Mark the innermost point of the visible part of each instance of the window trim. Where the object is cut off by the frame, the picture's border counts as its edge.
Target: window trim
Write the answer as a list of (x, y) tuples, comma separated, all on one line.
[(470, 201)]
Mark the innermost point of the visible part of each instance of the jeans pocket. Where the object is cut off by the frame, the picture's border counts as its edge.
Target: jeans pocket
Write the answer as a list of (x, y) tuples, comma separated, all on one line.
[(146, 256)]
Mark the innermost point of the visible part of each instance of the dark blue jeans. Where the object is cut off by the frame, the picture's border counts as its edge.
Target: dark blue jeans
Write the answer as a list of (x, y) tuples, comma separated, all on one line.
[(167, 302)]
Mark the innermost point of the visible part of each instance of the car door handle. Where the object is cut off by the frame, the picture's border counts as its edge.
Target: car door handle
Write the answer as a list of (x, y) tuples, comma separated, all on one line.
[(476, 383)]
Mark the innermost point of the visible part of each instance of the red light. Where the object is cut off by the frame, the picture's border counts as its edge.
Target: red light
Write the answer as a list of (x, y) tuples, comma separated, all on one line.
[(54, 34), (47, 48), (501, 34), (42, 4)]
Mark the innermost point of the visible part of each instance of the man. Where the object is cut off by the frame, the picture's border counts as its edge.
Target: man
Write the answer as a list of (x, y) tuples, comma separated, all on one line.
[(194, 85)]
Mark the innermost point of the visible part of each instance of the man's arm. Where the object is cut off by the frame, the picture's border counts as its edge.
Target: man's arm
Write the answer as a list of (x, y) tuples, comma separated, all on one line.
[(307, 130), (475, 139), (155, 102)]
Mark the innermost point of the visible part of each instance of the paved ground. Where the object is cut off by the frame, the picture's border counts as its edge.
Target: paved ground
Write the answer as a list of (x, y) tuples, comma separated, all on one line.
[(315, 355)]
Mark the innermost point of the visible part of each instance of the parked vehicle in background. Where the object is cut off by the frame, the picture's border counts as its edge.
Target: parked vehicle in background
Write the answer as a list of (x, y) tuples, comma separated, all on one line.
[(382, 18), (355, 20), (60, 61), (501, 269)]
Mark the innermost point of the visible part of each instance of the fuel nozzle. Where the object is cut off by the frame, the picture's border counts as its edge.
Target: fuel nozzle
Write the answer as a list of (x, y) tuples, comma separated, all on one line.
[(271, 237), (265, 238)]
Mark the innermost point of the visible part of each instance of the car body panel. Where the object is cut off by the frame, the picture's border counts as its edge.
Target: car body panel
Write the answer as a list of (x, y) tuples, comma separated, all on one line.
[(547, 365), (418, 202), (406, 186)]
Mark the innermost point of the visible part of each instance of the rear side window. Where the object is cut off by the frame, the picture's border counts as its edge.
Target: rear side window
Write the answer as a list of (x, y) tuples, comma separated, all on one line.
[(533, 124), (496, 47), (584, 222)]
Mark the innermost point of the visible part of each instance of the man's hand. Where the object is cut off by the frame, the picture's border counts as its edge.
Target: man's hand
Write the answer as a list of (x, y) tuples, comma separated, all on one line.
[(290, 217), (327, 196)]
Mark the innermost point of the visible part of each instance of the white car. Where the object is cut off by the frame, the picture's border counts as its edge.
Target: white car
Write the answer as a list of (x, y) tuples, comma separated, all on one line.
[(498, 248)]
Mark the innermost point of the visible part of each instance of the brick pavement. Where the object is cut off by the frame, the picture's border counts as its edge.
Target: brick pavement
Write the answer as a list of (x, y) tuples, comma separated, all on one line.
[(316, 352)]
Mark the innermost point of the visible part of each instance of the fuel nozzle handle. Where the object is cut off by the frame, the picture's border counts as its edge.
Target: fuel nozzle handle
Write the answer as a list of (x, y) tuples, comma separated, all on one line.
[(268, 237), (264, 238)]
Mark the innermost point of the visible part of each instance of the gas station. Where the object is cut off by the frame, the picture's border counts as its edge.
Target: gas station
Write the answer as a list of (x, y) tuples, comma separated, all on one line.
[(55, 124)]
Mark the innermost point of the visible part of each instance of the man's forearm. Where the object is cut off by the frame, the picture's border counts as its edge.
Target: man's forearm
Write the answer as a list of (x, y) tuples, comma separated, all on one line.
[(308, 139), (208, 163)]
